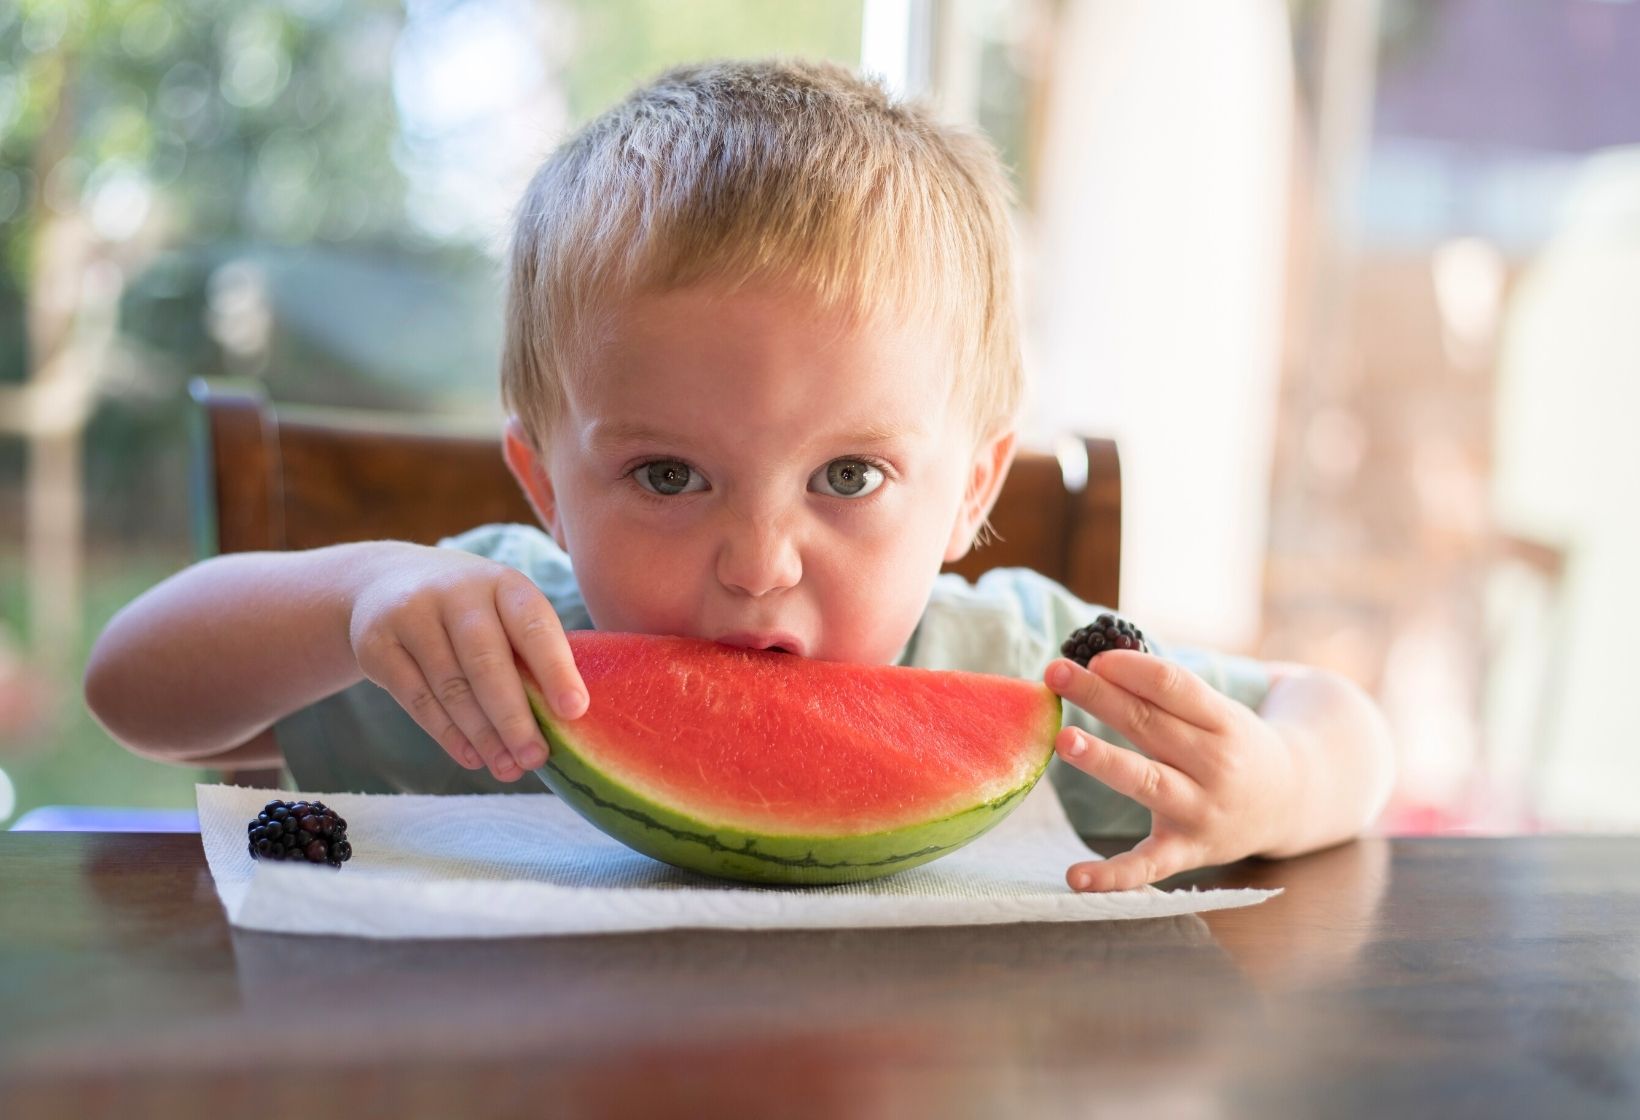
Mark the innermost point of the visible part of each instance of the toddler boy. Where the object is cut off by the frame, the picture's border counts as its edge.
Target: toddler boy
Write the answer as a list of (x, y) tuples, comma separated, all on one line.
[(763, 374)]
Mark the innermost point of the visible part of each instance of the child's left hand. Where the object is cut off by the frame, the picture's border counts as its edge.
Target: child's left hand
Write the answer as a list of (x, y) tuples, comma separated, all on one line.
[(1220, 782)]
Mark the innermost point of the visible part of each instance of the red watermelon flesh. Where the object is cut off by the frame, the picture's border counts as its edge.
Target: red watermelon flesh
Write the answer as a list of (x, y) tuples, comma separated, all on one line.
[(744, 749)]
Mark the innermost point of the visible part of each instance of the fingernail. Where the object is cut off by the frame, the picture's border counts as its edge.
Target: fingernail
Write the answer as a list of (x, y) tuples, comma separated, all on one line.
[(570, 703), (1076, 747), (470, 756), (1059, 674), (532, 758), (1082, 881)]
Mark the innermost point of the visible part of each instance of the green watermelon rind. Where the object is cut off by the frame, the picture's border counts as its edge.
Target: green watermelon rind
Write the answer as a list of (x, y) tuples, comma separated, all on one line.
[(673, 837)]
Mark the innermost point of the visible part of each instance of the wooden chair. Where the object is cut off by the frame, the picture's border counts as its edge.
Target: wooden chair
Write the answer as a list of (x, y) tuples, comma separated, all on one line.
[(300, 477)]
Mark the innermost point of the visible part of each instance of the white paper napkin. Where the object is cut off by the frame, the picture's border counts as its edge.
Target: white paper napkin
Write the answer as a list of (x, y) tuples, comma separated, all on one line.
[(513, 865)]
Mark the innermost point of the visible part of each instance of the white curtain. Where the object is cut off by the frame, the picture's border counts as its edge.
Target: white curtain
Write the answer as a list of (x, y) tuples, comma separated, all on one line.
[(1154, 290), (1567, 471)]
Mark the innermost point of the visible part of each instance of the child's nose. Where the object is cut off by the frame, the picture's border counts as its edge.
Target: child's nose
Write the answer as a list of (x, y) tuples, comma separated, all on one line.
[(757, 557)]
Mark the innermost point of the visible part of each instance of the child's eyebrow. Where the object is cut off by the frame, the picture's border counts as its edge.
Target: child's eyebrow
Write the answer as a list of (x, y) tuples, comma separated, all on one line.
[(605, 433), (625, 431), (873, 434)]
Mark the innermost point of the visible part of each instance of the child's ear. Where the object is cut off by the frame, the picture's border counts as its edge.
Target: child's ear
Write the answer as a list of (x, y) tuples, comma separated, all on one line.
[(529, 467), (991, 462)]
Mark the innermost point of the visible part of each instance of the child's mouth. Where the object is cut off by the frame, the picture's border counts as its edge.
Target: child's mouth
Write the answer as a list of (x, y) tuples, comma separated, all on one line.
[(764, 642)]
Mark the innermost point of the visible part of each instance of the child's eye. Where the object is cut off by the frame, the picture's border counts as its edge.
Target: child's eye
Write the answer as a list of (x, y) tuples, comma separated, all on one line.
[(668, 477), (847, 478)]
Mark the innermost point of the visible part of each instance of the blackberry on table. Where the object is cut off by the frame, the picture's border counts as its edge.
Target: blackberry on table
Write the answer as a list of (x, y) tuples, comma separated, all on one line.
[(1107, 632), (299, 830)]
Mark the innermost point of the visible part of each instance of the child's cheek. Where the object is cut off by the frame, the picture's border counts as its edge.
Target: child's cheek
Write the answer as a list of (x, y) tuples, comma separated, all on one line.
[(634, 582)]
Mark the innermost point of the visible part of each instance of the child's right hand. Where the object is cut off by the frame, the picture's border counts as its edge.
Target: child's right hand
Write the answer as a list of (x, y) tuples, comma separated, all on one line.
[(438, 628)]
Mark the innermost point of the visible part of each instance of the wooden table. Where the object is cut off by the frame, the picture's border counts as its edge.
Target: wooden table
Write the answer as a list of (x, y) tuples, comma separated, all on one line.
[(1428, 977)]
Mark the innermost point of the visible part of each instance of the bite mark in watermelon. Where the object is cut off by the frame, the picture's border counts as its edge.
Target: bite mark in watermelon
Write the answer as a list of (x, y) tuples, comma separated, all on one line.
[(772, 768)]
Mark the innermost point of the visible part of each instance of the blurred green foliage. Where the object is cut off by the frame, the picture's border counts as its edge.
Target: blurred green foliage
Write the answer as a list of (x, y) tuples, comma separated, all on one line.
[(244, 118), (620, 43)]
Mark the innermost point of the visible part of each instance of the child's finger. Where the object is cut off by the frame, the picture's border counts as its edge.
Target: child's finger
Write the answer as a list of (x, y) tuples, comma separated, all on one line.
[(1155, 785), (486, 659), (1160, 733), (449, 684), (1150, 860), (538, 637), (405, 683), (1172, 688)]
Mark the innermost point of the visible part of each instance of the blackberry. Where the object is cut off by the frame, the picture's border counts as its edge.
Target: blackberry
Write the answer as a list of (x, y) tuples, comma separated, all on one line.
[(299, 830), (1107, 632)]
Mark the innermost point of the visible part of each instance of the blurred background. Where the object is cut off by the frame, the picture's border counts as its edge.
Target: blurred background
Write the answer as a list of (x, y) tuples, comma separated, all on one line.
[(1356, 284)]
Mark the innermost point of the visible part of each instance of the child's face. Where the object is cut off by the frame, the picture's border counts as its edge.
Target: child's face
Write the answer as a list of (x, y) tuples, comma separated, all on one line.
[(746, 468)]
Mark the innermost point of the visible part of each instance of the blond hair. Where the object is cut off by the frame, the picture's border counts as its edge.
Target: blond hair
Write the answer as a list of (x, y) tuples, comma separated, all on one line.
[(772, 171)]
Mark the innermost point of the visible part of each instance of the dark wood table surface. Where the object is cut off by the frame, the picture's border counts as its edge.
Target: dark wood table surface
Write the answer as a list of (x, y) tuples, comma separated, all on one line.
[(1394, 978)]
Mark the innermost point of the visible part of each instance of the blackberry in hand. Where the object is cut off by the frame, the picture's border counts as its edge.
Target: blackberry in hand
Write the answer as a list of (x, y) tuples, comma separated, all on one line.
[(299, 830), (1107, 632)]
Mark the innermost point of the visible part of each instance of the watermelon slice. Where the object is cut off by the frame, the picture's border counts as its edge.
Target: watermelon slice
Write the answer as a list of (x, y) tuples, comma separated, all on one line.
[(771, 768)]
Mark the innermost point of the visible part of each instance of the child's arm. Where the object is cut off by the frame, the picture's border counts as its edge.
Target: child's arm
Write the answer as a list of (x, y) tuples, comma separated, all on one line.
[(1312, 767), (1342, 752), (200, 666)]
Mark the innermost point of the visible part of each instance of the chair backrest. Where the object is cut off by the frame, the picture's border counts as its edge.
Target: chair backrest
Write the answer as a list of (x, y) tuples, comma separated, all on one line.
[(301, 477)]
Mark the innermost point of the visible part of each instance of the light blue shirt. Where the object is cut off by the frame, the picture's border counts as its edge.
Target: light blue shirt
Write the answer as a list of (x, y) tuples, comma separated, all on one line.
[(1011, 623)]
